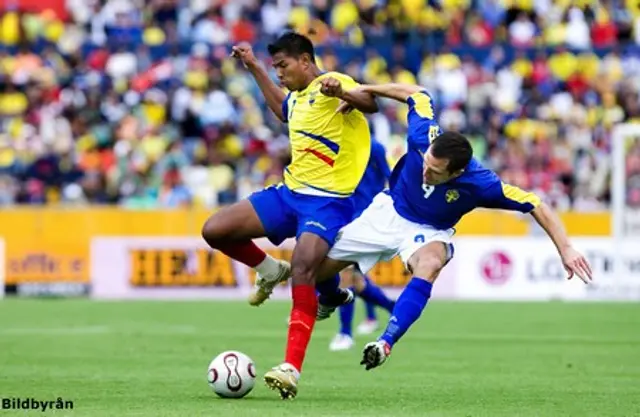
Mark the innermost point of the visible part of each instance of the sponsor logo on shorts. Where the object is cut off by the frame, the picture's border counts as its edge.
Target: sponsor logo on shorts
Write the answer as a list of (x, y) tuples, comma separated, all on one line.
[(316, 224)]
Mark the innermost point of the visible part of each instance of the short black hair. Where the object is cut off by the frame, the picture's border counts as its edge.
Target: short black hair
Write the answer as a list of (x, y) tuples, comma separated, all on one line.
[(294, 45), (454, 147)]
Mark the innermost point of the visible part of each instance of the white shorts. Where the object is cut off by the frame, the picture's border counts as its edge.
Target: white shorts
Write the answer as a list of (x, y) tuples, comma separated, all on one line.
[(381, 234)]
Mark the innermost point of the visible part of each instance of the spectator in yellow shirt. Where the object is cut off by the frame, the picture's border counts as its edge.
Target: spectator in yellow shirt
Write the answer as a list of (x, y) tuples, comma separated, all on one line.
[(344, 15), (12, 101), (563, 64)]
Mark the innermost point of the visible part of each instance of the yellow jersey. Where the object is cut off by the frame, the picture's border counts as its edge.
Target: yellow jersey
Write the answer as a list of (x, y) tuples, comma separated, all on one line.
[(330, 150)]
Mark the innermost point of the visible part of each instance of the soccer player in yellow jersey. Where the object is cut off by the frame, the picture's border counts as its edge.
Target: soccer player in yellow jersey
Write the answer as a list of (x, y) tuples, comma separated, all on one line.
[(330, 151)]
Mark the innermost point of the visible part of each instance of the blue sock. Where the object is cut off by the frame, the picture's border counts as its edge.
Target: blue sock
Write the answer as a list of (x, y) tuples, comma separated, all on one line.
[(408, 308), (371, 311), (373, 294), (346, 318), (330, 292)]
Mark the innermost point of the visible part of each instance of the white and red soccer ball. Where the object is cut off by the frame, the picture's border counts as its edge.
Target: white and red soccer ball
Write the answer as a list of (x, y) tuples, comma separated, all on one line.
[(231, 374)]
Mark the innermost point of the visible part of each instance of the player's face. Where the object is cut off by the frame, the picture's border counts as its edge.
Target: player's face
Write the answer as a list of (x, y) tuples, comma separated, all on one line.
[(435, 171), (290, 71)]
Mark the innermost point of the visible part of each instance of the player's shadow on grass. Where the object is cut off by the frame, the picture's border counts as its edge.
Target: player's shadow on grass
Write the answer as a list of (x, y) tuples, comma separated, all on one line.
[(250, 397), (270, 397)]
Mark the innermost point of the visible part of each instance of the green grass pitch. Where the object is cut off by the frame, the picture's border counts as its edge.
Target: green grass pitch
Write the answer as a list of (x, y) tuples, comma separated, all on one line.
[(461, 359)]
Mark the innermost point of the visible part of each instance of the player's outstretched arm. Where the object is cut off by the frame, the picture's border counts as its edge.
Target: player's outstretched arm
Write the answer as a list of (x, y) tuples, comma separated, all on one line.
[(353, 98), (272, 93), (360, 100), (504, 196), (573, 261), (395, 91)]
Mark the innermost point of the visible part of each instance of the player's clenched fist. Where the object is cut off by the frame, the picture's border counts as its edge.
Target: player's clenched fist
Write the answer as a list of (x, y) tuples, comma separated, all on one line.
[(244, 52), (331, 87)]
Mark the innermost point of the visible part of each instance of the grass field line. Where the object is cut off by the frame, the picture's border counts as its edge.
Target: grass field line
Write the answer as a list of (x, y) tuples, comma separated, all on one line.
[(187, 329)]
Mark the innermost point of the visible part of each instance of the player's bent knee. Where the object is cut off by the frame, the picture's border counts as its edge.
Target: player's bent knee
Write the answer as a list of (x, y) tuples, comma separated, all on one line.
[(236, 222), (215, 229), (427, 266), (210, 232), (346, 278), (359, 283)]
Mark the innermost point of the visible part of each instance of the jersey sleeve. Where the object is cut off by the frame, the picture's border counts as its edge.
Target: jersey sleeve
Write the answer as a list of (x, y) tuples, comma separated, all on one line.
[(422, 126), (285, 108), (503, 196)]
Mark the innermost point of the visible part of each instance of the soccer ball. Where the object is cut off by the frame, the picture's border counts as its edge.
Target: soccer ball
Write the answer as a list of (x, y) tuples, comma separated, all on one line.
[(231, 374)]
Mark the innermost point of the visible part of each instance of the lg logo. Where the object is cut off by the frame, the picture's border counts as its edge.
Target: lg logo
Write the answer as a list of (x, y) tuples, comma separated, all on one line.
[(496, 268)]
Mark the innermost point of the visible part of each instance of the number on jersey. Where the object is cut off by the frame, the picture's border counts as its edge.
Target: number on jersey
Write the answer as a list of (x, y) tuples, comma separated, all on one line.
[(434, 132), (428, 189)]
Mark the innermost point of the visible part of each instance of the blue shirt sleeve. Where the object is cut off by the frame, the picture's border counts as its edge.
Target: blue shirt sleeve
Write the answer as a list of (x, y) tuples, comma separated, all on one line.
[(508, 197), (421, 120), (379, 157), (285, 108)]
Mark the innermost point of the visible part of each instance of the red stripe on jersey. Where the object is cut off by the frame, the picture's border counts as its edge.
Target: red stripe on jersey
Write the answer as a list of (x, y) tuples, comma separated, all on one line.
[(324, 158)]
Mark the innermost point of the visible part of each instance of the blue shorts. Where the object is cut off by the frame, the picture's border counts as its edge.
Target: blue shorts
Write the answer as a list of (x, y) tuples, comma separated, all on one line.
[(286, 214)]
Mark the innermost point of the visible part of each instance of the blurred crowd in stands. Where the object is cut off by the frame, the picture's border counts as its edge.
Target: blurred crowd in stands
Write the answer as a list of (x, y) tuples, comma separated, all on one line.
[(137, 103)]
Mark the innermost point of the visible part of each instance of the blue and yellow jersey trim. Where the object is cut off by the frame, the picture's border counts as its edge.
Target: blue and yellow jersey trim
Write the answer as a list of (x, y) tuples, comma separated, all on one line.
[(422, 127), (285, 108), (421, 105), (515, 199), (501, 195), (329, 150), (519, 196), (303, 184)]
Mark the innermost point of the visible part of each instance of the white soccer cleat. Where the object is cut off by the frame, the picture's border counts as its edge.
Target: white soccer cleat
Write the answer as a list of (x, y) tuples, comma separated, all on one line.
[(375, 354), (341, 342), (283, 378), (264, 285), (324, 311), (367, 327)]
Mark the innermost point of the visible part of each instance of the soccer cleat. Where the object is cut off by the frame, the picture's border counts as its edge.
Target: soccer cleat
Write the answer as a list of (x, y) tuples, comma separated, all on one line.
[(325, 311), (283, 378), (264, 285), (341, 341), (375, 354), (367, 327)]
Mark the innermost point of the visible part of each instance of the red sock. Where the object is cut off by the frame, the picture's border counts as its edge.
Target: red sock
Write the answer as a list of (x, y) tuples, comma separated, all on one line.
[(303, 318), (246, 252)]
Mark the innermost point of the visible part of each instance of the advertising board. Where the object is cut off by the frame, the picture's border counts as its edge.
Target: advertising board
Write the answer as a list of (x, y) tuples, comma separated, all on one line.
[(33, 268), (184, 267), (530, 269)]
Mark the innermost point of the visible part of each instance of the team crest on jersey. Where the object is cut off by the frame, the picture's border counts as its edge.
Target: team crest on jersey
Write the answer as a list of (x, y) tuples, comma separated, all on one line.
[(312, 97), (451, 196)]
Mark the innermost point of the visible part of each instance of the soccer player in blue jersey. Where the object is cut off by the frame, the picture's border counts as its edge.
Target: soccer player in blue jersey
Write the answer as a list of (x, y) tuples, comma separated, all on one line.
[(373, 181), (434, 184), (330, 151)]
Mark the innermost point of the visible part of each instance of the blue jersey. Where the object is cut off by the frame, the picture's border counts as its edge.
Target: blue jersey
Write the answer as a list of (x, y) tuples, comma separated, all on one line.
[(374, 179), (442, 206)]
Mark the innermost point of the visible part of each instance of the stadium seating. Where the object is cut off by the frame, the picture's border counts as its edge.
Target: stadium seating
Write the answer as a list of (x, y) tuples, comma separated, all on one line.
[(141, 106)]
